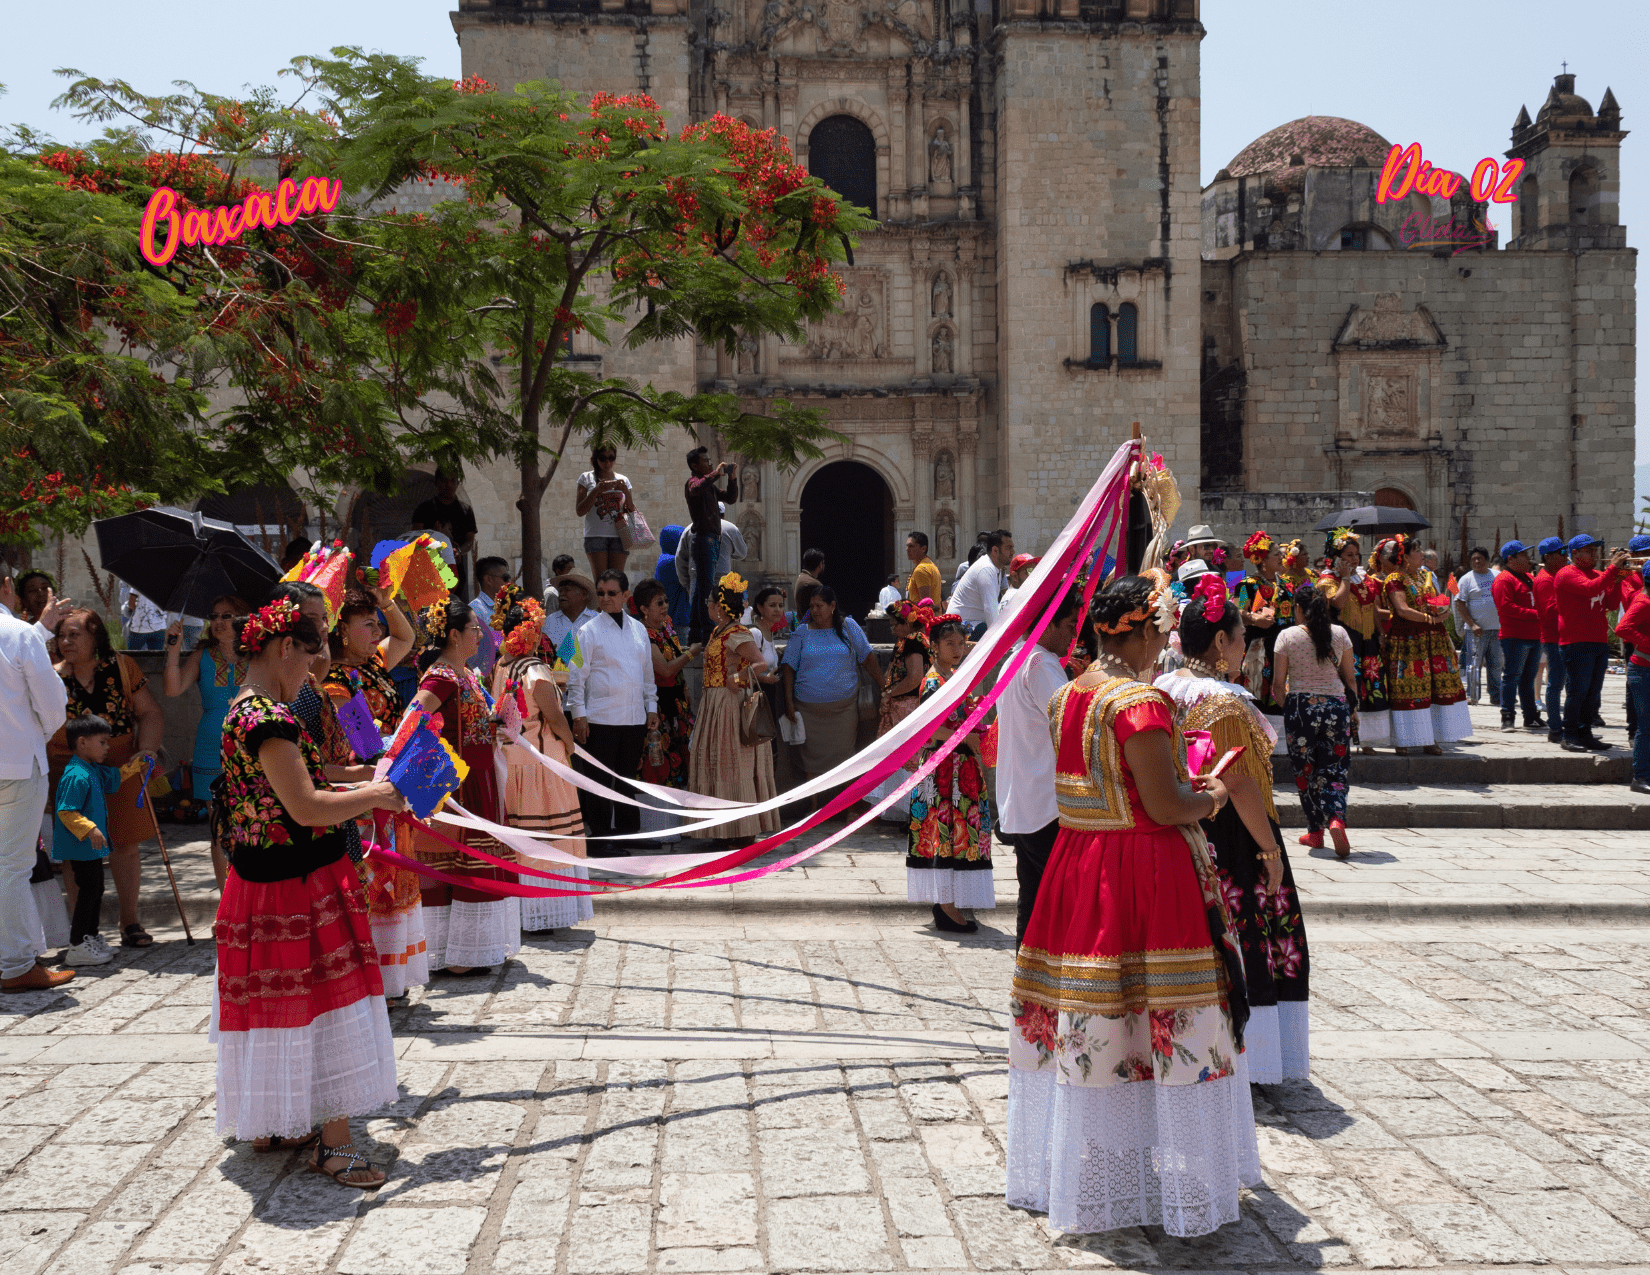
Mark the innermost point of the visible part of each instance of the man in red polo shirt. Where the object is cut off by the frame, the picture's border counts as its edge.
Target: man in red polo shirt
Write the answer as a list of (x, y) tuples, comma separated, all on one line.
[(1514, 595), (1634, 628), (1545, 582), (1585, 594), (1637, 548)]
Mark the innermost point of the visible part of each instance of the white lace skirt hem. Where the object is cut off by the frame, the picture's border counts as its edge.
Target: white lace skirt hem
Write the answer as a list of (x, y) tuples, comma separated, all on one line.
[(473, 934), (1131, 1154), (403, 951), (555, 914), (1276, 1042), (970, 889), (284, 1081), (1451, 722), (1375, 729), (1412, 727)]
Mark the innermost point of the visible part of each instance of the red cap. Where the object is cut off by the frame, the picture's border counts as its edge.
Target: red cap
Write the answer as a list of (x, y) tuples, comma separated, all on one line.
[(1022, 560)]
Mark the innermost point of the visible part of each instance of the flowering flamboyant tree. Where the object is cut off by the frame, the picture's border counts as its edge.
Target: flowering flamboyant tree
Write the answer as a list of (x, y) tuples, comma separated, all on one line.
[(582, 217)]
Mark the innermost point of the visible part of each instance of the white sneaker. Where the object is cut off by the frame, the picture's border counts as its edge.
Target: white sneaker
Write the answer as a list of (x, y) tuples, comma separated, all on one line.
[(88, 952), (97, 941)]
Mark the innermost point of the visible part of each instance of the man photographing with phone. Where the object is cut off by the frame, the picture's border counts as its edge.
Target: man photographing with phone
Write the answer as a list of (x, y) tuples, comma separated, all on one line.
[(705, 528)]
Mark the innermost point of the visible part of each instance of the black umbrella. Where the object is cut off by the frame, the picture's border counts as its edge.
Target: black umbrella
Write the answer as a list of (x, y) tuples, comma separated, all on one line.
[(181, 561), (1375, 518)]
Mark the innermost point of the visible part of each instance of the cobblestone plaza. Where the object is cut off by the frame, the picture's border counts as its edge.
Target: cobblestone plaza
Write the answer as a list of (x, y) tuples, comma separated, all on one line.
[(799, 1075)]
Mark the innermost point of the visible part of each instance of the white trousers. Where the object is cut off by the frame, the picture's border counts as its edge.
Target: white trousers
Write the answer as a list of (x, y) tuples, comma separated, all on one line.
[(21, 801)]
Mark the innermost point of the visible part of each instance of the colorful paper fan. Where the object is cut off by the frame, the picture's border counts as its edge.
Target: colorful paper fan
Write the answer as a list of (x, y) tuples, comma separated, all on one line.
[(427, 578), (327, 568), (425, 772), (355, 716)]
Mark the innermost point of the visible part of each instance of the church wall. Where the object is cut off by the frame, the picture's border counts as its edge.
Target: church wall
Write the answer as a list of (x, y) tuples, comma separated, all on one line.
[(1097, 201), (1523, 412)]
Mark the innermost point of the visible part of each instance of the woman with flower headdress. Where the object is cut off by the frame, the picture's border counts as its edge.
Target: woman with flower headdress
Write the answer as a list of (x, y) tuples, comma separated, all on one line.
[(298, 1015), (1254, 874), (1267, 609), (1128, 1091), (468, 929), (902, 688), (948, 850), (1355, 597), (363, 652), (1429, 704), (670, 660), (722, 764), (535, 798)]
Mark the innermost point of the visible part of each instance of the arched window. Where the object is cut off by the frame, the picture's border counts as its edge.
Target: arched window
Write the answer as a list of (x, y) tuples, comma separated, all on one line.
[(1099, 334), (842, 153), (1584, 196), (1529, 205), (1127, 319)]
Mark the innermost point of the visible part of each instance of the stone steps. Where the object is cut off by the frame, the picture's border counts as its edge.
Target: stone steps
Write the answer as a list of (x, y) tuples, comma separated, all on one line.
[(1572, 806), (1536, 764)]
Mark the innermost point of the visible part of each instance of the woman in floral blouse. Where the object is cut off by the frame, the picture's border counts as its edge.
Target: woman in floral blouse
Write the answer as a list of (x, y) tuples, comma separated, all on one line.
[(302, 1035), (670, 659), (948, 849), (467, 930), (99, 681)]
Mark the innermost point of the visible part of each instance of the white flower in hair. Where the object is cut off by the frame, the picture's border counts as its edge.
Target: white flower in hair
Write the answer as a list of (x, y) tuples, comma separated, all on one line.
[(1166, 612)]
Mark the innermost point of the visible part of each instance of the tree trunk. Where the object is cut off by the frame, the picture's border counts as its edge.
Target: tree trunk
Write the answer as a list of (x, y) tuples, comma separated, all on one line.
[(532, 555)]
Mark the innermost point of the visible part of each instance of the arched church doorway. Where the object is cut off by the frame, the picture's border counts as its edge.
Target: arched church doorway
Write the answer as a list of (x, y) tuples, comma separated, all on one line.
[(1392, 498), (848, 514)]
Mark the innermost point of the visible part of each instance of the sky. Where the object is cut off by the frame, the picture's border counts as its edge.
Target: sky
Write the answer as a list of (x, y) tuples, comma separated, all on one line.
[(1450, 76)]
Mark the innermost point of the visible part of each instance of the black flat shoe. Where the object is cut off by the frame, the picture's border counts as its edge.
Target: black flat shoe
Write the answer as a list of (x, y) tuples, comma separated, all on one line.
[(607, 852), (477, 971), (943, 922), (1640, 787), (1571, 746), (538, 934)]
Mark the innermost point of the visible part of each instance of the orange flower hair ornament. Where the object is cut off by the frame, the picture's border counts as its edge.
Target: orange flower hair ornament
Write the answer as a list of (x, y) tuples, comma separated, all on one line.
[(275, 620), (1294, 556), (1257, 547), (527, 636)]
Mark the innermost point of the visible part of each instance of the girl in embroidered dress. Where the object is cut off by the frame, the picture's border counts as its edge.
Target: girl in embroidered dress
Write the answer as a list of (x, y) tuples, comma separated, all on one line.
[(722, 764), (298, 1016), (535, 799), (1355, 600), (468, 929), (1128, 1094), (670, 658), (901, 691), (1429, 704), (362, 656), (1254, 874), (1267, 611), (948, 849)]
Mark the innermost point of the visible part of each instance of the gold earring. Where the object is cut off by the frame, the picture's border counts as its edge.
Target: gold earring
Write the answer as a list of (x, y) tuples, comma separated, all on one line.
[(1221, 666)]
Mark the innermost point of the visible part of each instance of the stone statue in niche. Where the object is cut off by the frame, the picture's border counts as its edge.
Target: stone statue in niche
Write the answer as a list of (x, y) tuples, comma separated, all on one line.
[(751, 527), (942, 296), (942, 348), (945, 541), (750, 480), (750, 356), (945, 477), (865, 326), (939, 157)]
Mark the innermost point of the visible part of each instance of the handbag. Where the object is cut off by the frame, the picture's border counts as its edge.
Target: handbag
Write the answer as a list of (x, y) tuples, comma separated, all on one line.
[(756, 724), (634, 533)]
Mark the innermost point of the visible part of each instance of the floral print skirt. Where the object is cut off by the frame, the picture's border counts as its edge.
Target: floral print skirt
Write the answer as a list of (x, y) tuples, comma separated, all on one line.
[(948, 846), (1128, 1098), (1272, 935), (1318, 730)]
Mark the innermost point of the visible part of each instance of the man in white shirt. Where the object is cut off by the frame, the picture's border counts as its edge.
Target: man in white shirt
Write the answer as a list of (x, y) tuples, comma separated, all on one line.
[(891, 593), (573, 594), (730, 548), (976, 596), (1028, 817), (1480, 626), (32, 708), (612, 702)]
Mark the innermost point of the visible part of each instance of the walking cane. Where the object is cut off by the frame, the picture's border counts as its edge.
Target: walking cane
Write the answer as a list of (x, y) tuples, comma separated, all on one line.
[(143, 792)]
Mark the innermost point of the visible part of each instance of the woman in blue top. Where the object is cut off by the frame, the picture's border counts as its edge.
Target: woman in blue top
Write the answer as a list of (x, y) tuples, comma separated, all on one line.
[(821, 672)]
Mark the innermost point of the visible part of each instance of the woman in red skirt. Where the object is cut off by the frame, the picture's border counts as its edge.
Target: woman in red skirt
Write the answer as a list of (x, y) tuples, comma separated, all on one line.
[(298, 1018), (1128, 1100), (467, 930)]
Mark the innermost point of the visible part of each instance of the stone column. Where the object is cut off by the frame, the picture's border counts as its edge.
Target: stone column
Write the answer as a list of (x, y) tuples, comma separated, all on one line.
[(962, 306), (922, 460), (968, 517)]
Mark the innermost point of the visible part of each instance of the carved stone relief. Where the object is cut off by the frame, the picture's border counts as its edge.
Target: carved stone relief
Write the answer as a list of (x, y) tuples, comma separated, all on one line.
[(1389, 321), (1389, 410), (857, 331), (945, 477), (751, 526)]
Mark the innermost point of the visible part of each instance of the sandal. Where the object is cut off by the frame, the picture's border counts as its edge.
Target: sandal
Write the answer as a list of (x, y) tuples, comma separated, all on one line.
[(134, 935), (263, 1146), (345, 1151), (1434, 750)]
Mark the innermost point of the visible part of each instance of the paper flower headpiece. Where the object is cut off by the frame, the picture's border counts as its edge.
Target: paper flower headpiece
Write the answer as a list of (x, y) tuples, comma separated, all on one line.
[(1294, 556), (528, 635), (510, 595), (279, 617), (1337, 539), (1257, 547), (730, 590), (1210, 593)]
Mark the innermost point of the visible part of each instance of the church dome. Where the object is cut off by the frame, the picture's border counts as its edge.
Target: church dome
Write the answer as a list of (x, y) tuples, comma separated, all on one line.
[(1313, 141), (1564, 102)]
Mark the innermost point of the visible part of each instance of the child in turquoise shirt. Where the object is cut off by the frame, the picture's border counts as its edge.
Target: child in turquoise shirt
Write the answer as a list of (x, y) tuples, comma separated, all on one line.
[(80, 833)]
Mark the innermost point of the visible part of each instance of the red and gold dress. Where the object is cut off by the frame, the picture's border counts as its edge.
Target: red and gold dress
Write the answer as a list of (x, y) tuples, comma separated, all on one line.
[(1128, 1099), (465, 926), (720, 764), (392, 892), (1429, 704)]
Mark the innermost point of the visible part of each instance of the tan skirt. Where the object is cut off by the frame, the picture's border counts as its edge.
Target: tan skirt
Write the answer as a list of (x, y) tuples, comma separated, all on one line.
[(719, 765), (832, 733)]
